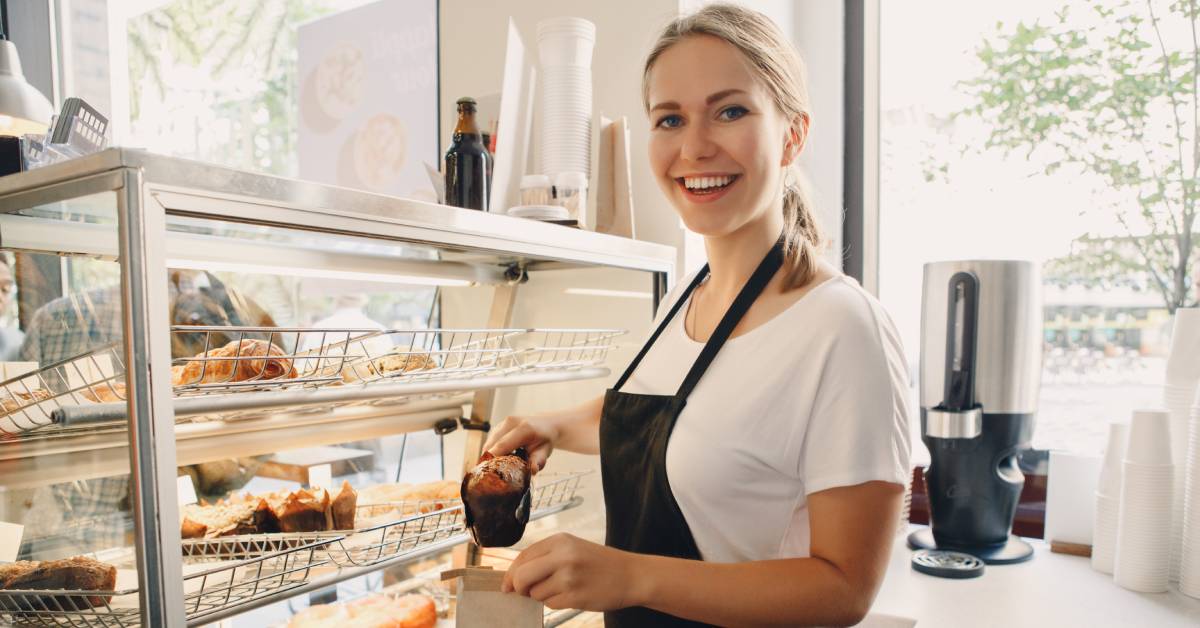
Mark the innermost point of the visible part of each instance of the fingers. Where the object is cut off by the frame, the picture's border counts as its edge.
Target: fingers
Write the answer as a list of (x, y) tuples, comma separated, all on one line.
[(533, 552), (538, 456), (498, 431), (518, 435), (549, 588), (532, 574)]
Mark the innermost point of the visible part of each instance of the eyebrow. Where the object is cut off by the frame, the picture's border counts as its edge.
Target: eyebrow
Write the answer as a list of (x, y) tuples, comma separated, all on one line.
[(712, 98)]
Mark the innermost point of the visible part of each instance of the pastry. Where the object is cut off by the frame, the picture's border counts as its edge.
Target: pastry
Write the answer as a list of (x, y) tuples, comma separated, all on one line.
[(343, 506), (303, 510), (238, 361), (410, 499), (13, 400), (224, 518), (79, 574), (106, 392), (394, 363), (496, 499), (373, 611)]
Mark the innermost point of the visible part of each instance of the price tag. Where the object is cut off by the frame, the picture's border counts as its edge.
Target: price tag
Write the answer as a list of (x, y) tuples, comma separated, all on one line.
[(187, 490), (12, 370), (320, 476), (10, 541)]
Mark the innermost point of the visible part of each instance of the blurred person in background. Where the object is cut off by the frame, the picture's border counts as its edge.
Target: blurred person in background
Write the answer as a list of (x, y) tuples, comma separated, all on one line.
[(11, 335)]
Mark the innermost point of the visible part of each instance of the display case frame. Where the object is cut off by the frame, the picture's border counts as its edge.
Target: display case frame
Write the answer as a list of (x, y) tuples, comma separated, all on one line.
[(475, 248)]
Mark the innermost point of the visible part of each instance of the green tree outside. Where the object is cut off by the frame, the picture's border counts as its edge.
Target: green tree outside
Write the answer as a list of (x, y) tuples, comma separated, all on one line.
[(1116, 98)]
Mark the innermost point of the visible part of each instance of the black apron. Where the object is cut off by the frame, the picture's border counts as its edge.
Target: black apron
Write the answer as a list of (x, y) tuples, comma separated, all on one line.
[(643, 516)]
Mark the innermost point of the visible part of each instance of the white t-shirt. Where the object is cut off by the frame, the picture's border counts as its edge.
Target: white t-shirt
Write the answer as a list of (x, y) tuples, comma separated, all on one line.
[(810, 400)]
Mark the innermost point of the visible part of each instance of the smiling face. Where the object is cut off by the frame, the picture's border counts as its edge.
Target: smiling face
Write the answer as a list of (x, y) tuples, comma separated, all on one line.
[(718, 142)]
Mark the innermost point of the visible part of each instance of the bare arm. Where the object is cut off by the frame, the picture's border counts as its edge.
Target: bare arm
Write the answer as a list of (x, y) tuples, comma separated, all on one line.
[(852, 529), (576, 429)]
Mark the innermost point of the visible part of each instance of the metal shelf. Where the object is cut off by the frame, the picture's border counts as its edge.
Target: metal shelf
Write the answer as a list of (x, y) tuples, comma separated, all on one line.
[(31, 463), (482, 239), (347, 573)]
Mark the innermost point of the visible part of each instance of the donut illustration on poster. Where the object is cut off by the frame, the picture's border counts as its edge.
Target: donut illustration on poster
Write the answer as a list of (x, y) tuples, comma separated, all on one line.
[(368, 98)]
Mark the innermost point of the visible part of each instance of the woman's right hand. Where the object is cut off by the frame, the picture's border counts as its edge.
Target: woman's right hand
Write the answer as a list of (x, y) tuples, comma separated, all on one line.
[(536, 434)]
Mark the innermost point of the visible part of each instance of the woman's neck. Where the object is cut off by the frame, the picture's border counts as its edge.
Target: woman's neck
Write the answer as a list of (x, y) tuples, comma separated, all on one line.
[(733, 258)]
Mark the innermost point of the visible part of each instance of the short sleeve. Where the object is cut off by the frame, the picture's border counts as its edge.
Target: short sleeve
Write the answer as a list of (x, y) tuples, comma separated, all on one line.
[(858, 430)]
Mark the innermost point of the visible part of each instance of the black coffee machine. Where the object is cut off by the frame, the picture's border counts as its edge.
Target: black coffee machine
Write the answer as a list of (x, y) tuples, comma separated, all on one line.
[(981, 358)]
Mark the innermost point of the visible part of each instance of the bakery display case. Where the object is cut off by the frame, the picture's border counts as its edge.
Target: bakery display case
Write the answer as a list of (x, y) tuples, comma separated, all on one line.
[(230, 392)]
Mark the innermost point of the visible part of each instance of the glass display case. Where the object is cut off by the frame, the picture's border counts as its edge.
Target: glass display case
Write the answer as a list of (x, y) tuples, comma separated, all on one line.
[(224, 391)]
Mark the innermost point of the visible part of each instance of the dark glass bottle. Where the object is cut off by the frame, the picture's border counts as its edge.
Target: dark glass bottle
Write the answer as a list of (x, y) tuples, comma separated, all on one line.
[(467, 162)]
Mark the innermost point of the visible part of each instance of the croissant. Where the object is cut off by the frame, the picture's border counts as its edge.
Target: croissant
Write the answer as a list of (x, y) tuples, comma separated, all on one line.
[(252, 363)]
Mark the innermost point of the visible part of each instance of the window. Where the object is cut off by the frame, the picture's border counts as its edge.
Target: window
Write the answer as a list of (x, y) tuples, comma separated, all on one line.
[(339, 92), (1044, 131)]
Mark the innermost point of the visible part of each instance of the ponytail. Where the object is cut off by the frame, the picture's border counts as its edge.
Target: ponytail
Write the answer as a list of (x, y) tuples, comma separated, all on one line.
[(802, 235)]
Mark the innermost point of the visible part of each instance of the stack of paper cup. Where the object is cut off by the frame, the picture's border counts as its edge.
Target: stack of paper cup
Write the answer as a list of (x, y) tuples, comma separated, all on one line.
[(1183, 375), (1189, 553), (1143, 560), (1178, 401), (565, 130), (1108, 500)]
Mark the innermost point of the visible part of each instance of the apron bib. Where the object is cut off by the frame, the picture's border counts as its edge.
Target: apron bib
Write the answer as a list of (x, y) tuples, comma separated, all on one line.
[(642, 514)]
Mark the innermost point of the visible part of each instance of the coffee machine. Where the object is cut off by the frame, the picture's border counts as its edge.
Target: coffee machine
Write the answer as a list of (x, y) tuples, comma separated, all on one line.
[(981, 359)]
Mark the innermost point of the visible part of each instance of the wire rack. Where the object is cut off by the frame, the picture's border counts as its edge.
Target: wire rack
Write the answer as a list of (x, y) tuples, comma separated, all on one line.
[(376, 543), (562, 349), (241, 360), (28, 401), (205, 592)]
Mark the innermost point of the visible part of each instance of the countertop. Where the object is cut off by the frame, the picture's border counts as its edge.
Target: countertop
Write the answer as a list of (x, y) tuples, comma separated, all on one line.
[(1049, 590)]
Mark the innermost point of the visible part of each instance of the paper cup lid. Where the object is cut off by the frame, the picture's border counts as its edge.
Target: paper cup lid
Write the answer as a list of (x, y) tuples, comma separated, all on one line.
[(946, 564)]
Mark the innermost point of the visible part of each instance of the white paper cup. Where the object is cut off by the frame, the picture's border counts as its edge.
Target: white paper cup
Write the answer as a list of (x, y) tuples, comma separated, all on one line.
[(1110, 472), (565, 42), (1149, 438), (1183, 369), (1104, 533)]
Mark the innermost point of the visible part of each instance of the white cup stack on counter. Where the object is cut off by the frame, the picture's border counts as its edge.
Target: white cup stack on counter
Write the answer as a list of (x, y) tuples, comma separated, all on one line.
[(1143, 551), (1108, 500), (1179, 396), (1147, 519)]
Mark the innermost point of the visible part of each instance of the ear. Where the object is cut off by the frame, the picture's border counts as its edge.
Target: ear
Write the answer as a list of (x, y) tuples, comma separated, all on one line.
[(797, 135)]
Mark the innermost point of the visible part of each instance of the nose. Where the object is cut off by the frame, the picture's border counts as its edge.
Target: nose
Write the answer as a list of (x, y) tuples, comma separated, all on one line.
[(697, 142)]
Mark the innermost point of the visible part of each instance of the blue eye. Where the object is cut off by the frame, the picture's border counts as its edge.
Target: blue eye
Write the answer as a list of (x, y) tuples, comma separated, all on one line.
[(732, 113), (669, 122)]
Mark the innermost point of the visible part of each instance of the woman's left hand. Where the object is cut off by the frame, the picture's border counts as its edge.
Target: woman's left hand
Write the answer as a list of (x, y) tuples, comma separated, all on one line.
[(564, 571)]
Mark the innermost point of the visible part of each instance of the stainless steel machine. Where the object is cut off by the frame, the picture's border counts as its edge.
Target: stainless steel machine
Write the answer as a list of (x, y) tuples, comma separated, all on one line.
[(981, 359)]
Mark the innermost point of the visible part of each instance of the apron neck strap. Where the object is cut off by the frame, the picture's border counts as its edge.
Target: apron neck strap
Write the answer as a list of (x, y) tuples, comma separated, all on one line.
[(750, 292), (661, 326)]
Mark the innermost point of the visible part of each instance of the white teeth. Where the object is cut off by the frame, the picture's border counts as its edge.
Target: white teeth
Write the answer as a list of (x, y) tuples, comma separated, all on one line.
[(694, 183)]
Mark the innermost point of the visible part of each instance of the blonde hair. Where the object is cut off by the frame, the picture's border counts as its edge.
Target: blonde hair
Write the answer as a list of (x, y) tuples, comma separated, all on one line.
[(781, 70)]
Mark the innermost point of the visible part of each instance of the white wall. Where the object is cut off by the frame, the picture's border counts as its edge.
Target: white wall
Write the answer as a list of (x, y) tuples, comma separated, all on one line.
[(472, 57)]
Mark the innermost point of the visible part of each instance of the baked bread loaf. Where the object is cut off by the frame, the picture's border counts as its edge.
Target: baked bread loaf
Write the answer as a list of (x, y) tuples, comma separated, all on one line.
[(70, 574), (496, 499), (374, 611), (238, 361)]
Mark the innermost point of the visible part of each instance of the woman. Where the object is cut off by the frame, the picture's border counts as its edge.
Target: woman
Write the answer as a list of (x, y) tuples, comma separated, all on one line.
[(754, 454)]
